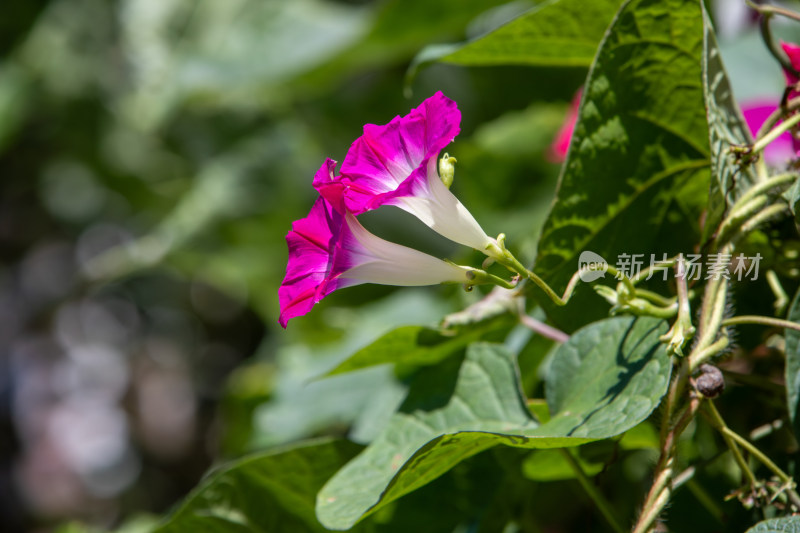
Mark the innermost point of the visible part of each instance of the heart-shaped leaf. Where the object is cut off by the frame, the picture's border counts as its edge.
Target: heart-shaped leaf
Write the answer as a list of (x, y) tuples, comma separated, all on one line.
[(637, 171), (606, 379)]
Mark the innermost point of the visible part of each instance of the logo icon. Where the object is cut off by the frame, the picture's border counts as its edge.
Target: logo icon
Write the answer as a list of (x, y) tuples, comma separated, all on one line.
[(592, 266)]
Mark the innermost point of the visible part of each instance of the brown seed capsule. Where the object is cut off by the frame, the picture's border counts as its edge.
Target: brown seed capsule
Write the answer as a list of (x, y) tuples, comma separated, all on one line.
[(710, 382)]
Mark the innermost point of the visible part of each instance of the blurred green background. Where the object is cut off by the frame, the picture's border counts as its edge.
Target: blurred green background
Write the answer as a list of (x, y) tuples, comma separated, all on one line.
[(153, 155)]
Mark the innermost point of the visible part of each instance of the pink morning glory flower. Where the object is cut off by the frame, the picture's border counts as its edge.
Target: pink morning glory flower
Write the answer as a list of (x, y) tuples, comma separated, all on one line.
[(330, 249), (396, 164)]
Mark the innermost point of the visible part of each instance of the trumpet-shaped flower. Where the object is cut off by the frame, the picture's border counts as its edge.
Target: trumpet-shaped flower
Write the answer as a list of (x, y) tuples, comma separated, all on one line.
[(330, 249), (395, 164)]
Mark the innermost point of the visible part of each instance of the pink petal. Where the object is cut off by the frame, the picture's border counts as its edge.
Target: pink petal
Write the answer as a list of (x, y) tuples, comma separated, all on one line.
[(314, 264), (384, 162), (329, 249)]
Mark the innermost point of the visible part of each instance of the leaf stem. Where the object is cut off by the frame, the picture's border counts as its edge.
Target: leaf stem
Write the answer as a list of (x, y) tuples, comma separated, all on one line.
[(749, 203), (762, 320), (776, 132), (655, 298), (540, 327), (791, 105), (713, 308), (740, 214), (764, 215), (781, 298), (716, 420), (772, 182), (595, 495), (699, 357)]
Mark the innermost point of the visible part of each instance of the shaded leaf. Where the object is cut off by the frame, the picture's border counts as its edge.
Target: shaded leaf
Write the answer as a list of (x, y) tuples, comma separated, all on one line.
[(792, 371), (272, 491), (788, 524), (726, 126), (557, 33), (639, 153), (460, 408), (607, 375)]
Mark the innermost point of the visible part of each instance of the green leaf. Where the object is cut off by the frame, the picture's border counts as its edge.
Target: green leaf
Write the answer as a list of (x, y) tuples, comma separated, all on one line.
[(618, 372), (793, 197), (272, 491), (414, 345), (792, 370), (562, 33), (638, 167), (726, 126), (607, 375), (788, 524)]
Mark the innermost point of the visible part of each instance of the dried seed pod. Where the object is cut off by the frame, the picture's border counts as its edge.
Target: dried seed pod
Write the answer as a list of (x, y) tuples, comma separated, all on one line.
[(710, 382)]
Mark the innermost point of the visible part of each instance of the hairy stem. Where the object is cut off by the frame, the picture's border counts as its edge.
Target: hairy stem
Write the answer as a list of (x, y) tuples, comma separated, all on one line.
[(698, 357), (662, 487)]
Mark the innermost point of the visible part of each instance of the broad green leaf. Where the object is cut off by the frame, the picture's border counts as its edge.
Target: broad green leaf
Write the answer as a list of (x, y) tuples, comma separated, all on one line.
[(555, 33), (792, 371), (272, 491), (787, 524), (460, 408), (726, 126), (414, 345), (639, 153), (608, 375)]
